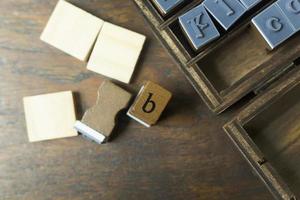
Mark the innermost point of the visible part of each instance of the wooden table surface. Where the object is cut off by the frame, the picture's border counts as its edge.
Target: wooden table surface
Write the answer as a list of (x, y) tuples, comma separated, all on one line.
[(186, 156)]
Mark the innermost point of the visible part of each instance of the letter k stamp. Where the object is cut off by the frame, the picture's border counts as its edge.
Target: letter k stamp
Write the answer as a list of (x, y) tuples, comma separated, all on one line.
[(198, 27)]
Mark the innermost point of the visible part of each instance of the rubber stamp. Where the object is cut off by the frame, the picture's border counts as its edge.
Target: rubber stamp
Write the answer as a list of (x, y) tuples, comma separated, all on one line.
[(273, 25), (226, 12), (198, 27), (99, 121), (291, 8), (149, 104)]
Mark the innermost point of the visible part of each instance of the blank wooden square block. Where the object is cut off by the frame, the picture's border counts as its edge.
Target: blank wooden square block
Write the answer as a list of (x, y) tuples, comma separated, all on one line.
[(72, 30), (50, 116), (116, 52), (149, 104)]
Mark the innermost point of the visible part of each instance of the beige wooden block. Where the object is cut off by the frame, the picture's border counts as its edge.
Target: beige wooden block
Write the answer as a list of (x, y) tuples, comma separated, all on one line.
[(72, 30), (149, 104), (50, 116), (99, 121), (116, 52)]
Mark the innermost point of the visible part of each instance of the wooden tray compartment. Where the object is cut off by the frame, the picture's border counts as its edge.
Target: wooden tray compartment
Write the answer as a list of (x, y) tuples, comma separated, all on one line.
[(228, 68), (267, 133)]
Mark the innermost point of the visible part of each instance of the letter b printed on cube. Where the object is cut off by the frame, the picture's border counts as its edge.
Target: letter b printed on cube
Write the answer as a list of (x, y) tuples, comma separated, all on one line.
[(149, 104)]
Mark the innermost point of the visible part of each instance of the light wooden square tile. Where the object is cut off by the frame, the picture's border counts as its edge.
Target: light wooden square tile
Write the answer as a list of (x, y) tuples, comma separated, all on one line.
[(50, 116), (72, 30), (116, 52)]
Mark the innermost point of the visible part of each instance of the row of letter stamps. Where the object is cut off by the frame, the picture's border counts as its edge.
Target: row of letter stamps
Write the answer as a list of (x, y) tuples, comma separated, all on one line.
[(276, 24)]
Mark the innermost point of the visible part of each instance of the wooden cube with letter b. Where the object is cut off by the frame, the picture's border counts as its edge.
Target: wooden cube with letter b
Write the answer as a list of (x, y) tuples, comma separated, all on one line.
[(149, 104)]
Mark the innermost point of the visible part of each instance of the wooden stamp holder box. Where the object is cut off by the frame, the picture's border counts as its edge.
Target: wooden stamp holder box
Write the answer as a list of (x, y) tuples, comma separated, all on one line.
[(233, 66)]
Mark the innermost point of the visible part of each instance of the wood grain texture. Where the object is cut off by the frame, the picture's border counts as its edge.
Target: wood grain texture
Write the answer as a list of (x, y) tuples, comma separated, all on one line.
[(116, 52), (266, 132), (187, 156), (50, 116), (276, 131), (72, 30)]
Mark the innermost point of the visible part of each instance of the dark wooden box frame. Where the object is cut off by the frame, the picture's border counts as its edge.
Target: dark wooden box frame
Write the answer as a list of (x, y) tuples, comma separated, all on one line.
[(217, 100), (235, 129), (271, 80)]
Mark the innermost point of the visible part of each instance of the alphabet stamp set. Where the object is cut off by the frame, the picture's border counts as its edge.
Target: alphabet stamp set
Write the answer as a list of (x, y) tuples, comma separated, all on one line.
[(228, 49), (149, 104), (224, 47)]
